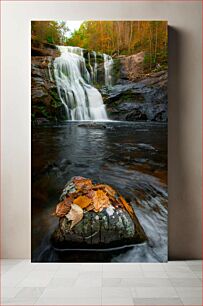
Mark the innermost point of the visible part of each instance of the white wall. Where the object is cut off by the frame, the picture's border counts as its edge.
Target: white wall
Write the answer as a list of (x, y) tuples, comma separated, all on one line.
[(184, 112)]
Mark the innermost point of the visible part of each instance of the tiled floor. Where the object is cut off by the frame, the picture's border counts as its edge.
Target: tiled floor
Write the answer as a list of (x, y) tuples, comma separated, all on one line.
[(174, 283)]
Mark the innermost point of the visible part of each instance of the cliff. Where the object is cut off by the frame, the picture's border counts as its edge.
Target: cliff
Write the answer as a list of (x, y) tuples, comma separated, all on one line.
[(132, 95)]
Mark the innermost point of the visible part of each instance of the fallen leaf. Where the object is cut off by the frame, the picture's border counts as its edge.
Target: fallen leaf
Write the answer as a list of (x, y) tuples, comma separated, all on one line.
[(108, 189), (127, 206), (82, 183), (63, 207), (90, 207), (82, 201), (100, 200), (75, 214), (90, 194)]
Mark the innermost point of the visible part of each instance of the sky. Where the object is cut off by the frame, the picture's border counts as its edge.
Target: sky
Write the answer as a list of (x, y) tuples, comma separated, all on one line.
[(73, 25)]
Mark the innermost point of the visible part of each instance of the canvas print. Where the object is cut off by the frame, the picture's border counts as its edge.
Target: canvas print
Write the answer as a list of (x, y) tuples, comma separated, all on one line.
[(99, 141)]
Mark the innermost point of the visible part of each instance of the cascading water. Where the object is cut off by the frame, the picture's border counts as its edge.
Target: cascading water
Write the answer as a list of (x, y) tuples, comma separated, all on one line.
[(95, 66), (108, 66), (81, 100)]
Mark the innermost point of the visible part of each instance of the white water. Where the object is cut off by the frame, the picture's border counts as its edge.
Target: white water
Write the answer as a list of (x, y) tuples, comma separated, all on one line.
[(95, 66), (81, 100), (108, 66)]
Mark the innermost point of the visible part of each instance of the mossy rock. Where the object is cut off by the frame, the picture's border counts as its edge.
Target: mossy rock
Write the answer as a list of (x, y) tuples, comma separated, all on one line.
[(108, 228), (113, 226)]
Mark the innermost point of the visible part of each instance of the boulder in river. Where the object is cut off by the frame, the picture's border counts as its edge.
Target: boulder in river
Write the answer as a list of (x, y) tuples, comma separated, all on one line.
[(94, 216)]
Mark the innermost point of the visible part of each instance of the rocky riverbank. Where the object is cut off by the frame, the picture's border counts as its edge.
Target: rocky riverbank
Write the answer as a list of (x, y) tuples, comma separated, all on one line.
[(142, 100)]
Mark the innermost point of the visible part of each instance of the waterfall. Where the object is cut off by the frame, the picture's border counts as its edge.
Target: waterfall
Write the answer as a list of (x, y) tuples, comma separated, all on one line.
[(95, 66), (81, 100), (108, 65)]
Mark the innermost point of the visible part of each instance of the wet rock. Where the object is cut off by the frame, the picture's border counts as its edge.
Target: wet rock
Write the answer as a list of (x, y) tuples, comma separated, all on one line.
[(143, 100), (45, 100), (92, 125), (110, 226)]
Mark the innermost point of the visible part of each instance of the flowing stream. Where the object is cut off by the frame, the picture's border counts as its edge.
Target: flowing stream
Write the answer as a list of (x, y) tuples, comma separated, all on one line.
[(130, 156), (108, 66), (81, 100)]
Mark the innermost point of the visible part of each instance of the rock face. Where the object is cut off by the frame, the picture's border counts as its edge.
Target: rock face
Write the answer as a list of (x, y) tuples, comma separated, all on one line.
[(142, 100), (45, 101), (106, 222), (132, 66)]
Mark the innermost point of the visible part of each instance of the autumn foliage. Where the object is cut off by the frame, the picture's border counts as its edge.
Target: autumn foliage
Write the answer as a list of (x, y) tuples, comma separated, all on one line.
[(112, 37), (125, 38), (90, 197)]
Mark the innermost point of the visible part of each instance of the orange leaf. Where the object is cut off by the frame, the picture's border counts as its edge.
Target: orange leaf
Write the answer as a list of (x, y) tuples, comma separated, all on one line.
[(82, 201), (108, 189), (82, 183), (63, 208), (100, 200), (127, 206), (90, 207)]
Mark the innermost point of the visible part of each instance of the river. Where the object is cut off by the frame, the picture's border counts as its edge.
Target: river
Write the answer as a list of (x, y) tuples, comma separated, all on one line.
[(132, 157)]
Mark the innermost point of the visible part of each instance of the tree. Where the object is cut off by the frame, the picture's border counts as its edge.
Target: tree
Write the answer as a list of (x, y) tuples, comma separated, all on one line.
[(49, 31)]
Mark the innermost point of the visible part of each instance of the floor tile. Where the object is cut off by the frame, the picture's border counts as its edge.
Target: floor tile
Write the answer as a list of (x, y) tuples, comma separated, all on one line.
[(117, 301), (92, 267), (67, 274), (73, 292), (193, 262), (116, 292), (196, 268), (152, 267), (61, 282), (155, 274), (134, 268), (154, 292), (198, 274), (185, 282), (189, 291), (16, 274), (122, 274), (21, 301), (177, 268), (172, 283), (69, 301), (157, 301), (37, 279), (179, 274), (88, 282), (146, 282), (30, 292), (112, 282), (52, 267), (192, 301)]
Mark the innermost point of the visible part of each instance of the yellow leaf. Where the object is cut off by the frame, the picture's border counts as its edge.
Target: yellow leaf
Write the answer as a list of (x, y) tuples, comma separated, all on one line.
[(108, 189), (82, 201), (100, 200), (127, 206)]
